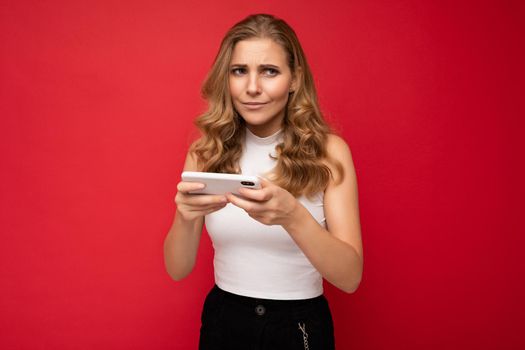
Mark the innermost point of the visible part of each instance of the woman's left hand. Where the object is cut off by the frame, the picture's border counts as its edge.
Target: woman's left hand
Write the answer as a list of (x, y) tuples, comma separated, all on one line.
[(271, 205)]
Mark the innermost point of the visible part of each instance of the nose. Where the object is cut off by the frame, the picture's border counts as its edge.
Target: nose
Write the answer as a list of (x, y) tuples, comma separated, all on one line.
[(253, 87)]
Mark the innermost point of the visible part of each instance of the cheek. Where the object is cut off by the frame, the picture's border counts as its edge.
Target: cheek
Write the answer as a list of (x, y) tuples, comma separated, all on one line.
[(278, 89), (235, 88)]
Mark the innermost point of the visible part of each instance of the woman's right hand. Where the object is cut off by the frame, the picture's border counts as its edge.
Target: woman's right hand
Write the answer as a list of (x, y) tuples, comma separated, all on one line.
[(194, 206)]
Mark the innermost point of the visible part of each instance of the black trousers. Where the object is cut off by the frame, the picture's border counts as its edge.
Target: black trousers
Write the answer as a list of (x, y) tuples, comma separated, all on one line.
[(231, 322)]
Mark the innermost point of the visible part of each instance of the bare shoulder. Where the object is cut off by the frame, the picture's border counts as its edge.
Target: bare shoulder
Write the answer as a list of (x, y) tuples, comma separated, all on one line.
[(341, 157), (337, 146)]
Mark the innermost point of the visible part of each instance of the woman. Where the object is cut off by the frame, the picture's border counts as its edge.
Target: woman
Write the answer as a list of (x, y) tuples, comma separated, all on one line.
[(273, 246)]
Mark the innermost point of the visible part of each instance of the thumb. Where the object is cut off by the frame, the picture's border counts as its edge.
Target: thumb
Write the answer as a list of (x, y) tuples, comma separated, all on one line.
[(264, 182)]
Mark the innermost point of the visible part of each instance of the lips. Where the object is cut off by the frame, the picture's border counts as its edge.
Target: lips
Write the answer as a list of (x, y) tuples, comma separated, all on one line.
[(254, 105)]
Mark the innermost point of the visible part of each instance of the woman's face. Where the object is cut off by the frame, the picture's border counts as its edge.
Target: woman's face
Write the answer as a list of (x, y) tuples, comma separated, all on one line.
[(260, 81)]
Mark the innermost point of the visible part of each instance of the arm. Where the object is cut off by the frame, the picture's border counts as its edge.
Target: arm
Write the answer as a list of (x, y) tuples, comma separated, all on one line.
[(182, 241), (336, 252)]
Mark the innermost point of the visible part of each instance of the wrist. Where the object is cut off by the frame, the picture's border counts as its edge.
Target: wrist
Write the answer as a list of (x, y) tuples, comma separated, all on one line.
[(185, 218), (296, 217)]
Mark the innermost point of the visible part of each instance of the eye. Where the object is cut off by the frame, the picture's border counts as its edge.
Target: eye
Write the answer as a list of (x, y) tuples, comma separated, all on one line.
[(238, 71), (271, 71)]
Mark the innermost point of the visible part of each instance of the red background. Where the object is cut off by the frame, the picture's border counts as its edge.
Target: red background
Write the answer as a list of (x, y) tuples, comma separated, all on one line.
[(97, 100)]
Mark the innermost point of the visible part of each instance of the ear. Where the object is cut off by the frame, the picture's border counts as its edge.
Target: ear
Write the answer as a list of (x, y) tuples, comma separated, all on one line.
[(293, 86)]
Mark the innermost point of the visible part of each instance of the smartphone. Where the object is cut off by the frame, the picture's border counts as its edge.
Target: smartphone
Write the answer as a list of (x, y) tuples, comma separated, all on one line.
[(219, 183)]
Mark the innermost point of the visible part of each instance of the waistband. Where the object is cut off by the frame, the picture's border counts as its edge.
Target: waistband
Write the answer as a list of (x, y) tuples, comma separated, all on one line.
[(272, 303)]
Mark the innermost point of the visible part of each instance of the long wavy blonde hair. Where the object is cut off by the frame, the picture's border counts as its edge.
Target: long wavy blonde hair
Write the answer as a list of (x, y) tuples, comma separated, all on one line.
[(302, 156)]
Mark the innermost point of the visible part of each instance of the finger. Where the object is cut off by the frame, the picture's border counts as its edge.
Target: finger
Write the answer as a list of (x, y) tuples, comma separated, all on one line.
[(186, 186), (211, 210), (247, 205), (206, 207), (204, 199), (256, 195)]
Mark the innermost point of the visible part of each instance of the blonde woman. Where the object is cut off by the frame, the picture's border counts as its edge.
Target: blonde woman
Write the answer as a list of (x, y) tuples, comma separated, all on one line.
[(273, 246)]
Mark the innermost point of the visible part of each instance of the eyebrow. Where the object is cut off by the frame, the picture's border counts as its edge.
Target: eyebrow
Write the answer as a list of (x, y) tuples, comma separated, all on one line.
[(238, 65)]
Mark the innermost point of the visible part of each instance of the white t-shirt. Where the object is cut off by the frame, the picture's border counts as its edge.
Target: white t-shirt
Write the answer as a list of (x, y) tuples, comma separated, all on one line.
[(257, 260)]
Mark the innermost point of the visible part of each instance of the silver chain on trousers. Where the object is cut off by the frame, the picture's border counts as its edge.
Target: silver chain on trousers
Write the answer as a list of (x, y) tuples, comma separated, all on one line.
[(305, 335)]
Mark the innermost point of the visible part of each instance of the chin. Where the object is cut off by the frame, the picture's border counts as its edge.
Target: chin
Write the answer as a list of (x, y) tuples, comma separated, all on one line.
[(255, 121), (255, 117)]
